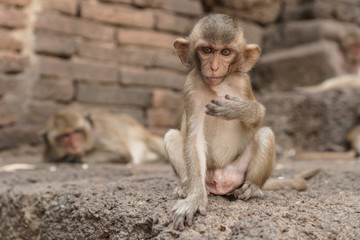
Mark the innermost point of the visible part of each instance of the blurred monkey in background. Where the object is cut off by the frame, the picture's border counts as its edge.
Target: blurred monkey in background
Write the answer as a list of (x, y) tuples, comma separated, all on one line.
[(71, 136)]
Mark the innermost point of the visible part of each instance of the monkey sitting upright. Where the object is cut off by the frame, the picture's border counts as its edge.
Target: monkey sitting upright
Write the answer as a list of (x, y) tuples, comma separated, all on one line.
[(99, 137), (221, 147)]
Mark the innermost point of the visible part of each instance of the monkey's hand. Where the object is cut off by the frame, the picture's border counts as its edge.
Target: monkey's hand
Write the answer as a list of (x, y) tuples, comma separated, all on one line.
[(230, 108), (184, 210)]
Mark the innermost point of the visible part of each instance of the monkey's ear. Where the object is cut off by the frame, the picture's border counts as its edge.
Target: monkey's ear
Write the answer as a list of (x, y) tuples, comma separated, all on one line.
[(45, 138), (251, 55), (181, 46), (89, 119)]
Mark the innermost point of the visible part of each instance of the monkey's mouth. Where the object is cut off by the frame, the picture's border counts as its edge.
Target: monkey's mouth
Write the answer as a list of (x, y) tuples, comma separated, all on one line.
[(71, 158), (213, 79)]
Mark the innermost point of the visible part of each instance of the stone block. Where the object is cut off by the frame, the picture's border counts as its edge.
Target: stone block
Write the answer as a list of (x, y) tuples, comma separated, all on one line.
[(146, 38), (18, 3), (304, 65), (64, 6), (124, 55), (112, 94), (162, 117), (186, 7), (74, 26), (151, 78), (347, 10), (77, 70), (311, 121), (8, 42), (120, 15), (7, 116), (58, 90), (11, 17), (12, 62), (163, 98), (55, 44), (301, 32), (264, 12), (173, 23)]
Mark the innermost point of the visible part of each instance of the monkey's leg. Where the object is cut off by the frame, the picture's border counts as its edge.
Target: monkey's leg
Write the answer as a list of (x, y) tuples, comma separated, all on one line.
[(261, 165), (174, 146)]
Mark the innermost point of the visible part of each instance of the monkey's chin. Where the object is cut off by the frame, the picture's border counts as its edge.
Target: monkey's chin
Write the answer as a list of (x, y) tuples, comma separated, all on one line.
[(213, 80)]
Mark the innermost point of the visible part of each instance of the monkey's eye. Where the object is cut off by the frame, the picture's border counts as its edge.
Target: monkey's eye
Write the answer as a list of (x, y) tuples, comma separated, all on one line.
[(206, 50), (225, 52)]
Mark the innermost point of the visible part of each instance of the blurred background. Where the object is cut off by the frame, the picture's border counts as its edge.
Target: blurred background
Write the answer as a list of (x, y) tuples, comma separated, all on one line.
[(117, 55)]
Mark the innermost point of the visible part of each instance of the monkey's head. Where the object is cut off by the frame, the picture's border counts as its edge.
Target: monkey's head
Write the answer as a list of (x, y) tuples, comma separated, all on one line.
[(216, 46), (68, 136)]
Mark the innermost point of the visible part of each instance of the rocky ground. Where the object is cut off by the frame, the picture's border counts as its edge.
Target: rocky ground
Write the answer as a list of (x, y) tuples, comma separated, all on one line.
[(133, 202)]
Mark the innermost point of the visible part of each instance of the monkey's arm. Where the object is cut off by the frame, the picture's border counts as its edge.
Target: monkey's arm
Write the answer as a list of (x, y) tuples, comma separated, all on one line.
[(250, 112), (103, 156), (195, 162)]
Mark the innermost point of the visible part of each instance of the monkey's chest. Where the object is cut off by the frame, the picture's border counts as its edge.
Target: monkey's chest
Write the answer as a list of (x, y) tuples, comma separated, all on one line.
[(225, 141)]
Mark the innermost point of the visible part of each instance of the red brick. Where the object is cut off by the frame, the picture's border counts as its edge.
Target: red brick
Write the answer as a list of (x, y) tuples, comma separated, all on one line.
[(11, 17), (39, 112), (304, 65), (166, 99), (49, 89), (69, 25), (8, 42), (162, 117), (145, 38), (174, 23), (12, 63), (78, 71), (168, 59), (12, 137), (118, 15), (160, 131), (19, 3), (151, 78), (54, 44), (112, 94), (65, 6), (128, 55), (7, 116)]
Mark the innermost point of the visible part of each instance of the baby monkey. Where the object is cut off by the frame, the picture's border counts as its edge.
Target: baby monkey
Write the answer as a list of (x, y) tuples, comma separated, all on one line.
[(221, 146)]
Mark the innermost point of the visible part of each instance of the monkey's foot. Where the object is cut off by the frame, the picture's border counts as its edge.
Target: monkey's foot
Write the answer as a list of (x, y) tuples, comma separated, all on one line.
[(247, 191), (184, 210), (180, 192)]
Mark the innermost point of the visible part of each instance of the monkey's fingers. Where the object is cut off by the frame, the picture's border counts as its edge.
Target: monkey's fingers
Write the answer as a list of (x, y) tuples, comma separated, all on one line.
[(217, 102), (179, 220), (228, 97)]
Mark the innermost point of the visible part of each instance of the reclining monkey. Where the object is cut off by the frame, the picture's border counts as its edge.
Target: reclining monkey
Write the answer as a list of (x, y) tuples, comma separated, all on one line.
[(221, 146), (71, 136)]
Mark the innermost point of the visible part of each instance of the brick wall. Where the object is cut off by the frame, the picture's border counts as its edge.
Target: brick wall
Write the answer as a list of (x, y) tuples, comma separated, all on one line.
[(117, 54)]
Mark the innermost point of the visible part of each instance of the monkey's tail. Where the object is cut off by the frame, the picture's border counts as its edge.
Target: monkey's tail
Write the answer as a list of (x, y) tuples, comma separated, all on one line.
[(298, 182)]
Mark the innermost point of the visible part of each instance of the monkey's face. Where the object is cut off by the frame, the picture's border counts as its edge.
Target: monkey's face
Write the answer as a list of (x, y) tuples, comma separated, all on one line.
[(71, 142), (215, 61)]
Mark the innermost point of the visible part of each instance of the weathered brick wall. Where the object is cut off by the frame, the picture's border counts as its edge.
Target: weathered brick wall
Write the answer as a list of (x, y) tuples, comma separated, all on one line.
[(117, 54)]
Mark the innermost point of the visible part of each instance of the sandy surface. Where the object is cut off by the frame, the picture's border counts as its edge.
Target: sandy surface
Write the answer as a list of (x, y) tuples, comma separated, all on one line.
[(133, 202)]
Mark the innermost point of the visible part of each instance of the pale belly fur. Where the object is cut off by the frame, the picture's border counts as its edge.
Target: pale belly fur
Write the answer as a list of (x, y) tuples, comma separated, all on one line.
[(225, 141)]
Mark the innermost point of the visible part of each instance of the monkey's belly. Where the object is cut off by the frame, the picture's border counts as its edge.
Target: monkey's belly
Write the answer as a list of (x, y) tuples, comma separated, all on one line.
[(223, 181), (229, 143)]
